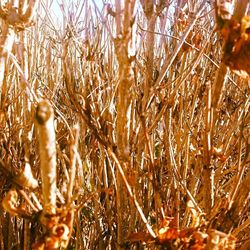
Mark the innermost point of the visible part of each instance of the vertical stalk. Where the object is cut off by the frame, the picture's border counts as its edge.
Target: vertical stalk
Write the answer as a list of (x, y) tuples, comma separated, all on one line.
[(73, 158), (47, 149), (122, 45), (148, 8), (208, 193), (6, 43), (217, 89), (26, 235)]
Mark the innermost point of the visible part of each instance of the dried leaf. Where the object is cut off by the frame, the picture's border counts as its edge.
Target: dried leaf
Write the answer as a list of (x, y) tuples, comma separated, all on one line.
[(62, 233), (10, 201), (237, 47), (169, 234)]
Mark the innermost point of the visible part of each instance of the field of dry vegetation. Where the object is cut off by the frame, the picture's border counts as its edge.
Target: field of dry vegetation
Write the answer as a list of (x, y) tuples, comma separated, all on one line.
[(126, 127)]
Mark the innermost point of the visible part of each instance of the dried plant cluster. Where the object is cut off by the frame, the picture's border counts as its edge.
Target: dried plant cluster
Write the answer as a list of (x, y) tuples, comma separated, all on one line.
[(126, 127)]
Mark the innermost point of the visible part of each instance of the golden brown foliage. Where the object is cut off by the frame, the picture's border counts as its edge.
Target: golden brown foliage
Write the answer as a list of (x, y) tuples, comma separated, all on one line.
[(143, 140)]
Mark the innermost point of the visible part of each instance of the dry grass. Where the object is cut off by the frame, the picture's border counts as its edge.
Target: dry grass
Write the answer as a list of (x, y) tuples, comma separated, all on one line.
[(163, 125)]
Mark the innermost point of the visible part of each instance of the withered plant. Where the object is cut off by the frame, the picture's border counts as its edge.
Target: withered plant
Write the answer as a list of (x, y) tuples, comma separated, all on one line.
[(124, 126)]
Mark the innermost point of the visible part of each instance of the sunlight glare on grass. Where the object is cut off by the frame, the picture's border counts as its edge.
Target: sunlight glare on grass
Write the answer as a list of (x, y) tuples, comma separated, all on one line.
[(59, 7)]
